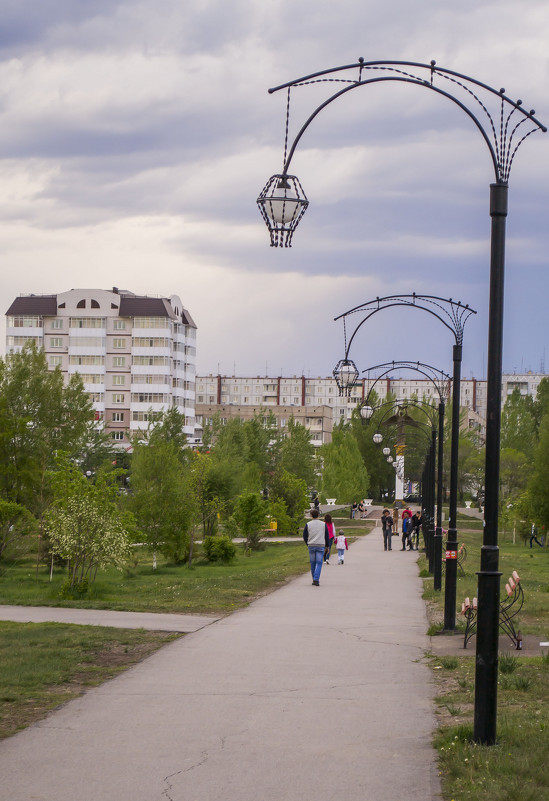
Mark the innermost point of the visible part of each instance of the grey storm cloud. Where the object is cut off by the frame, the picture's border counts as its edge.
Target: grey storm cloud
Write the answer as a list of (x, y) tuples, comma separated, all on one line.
[(135, 138)]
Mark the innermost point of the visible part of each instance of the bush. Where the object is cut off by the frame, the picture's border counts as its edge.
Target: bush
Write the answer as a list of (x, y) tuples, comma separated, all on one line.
[(219, 549)]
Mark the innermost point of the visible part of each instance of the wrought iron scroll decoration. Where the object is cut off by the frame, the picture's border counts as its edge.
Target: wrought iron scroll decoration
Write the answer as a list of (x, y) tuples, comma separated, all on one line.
[(503, 144), (452, 314)]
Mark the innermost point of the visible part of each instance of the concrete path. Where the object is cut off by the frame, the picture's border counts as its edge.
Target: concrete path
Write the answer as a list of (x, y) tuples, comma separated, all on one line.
[(309, 694), (105, 617)]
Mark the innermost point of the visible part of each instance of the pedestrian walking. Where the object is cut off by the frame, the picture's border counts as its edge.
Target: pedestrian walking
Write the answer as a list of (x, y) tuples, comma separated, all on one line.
[(331, 534), (406, 533), (341, 545), (387, 526), (316, 538), (416, 524), (534, 536)]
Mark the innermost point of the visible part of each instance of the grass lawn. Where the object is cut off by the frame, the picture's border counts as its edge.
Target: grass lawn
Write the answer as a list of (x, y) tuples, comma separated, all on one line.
[(203, 588), (517, 766), (45, 665)]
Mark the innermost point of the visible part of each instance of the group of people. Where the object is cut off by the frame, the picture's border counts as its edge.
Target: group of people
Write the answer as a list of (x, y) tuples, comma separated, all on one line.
[(358, 509), (320, 537), (411, 523)]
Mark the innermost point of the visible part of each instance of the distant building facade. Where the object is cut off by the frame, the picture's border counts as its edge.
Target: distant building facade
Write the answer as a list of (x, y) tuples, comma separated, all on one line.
[(299, 391), (318, 420), (136, 354)]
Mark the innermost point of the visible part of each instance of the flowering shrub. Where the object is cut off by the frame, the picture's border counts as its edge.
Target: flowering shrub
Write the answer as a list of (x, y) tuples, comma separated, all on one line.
[(89, 536)]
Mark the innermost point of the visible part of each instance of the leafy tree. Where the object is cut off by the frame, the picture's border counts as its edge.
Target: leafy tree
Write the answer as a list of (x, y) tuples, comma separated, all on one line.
[(344, 476), (16, 527), (518, 423), (39, 417), (514, 468), (291, 491), (163, 499), (538, 484), (250, 516), (297, 455)]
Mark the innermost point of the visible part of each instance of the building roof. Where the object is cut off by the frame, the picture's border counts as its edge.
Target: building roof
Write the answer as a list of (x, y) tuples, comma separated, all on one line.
[(42, 305)]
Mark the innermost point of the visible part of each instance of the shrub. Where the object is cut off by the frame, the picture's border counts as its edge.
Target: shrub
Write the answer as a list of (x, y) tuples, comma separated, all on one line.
[(219, 549)]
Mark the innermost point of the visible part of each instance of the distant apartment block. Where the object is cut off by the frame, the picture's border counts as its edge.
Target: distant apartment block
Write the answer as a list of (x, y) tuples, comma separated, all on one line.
[(136, 354), (318, 420), (301, 392)]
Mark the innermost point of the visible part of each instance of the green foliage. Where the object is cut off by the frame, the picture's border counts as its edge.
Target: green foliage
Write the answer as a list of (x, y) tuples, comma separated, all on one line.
[(16, 527), (518, 423), (250, 515), (539, 482), (39, 416), (163, 498), (297, 455), (292, 491), (84, 525), (345, 477), (219, 549)]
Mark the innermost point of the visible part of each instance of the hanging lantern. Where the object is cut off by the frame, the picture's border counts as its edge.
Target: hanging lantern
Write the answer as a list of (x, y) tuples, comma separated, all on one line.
[(345, 375), (377, 438), (282, 204), (366, 412)]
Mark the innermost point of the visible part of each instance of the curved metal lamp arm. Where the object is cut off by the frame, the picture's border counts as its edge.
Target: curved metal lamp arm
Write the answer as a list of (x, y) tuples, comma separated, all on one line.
[(438, 378), (502, 129), (451, 313)]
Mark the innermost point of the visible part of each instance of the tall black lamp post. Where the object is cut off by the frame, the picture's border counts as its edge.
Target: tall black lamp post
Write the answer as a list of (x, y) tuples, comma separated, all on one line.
[(441, 382), (453, 315), (503, 124)]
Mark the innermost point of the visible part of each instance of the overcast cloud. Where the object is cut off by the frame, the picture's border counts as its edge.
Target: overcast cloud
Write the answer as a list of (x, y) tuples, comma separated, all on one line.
[(135, 138)]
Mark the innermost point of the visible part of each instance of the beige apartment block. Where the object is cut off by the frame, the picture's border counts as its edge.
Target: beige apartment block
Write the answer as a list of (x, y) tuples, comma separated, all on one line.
[(136, 354), (318, 420), (297, 391)]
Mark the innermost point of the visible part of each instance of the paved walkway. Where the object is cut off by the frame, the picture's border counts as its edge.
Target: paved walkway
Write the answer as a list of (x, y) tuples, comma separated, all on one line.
[(309, 694)]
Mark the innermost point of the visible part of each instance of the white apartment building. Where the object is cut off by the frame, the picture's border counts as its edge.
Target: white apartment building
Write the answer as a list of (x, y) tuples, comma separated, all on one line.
[(136, 354)]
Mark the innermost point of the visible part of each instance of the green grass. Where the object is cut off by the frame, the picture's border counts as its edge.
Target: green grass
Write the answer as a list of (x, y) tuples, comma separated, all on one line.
[(531, 565), (517, 767), (203, 588), (44, 665)]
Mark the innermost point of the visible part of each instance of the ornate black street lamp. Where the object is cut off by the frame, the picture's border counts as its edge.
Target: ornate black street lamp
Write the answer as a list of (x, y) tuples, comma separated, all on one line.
[(396, 415), (504, 125), (441, 382), (453, 315)]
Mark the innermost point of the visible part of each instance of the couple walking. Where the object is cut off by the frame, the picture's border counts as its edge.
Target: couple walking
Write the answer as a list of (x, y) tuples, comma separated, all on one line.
[(319, 535)]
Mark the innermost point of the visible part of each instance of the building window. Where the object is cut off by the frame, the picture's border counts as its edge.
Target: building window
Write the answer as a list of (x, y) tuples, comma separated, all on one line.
[(87, 360), (118, 361), (119, 343), (118, 380), (117, 417), (56, 342), (91, 378), (151, 322), (96, 397), (81, 304), (86, 322), (151, 342), (55, 361), (119, 325), (118, 435), (57, 323), (21, 321), (118, 397)]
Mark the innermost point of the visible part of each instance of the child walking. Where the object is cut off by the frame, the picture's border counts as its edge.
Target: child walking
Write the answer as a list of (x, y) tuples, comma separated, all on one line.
[(341, 545)]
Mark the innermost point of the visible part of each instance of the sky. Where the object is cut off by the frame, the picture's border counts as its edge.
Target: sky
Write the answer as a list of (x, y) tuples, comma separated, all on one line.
[(136, 137)]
